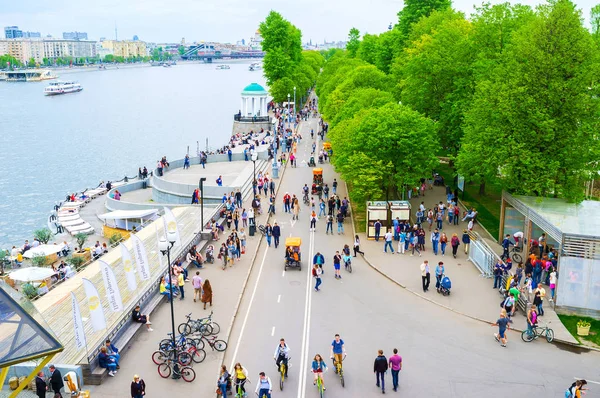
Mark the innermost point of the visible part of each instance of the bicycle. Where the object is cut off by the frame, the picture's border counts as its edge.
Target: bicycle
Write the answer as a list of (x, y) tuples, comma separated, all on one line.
[(339, 370), (205, 326), (185, 372), (282, 371), (181, 343), (545, 331), (184, 358), (305, 199), (320, 386), (262, 229), (239, 392), (514, 254), (214, 343)]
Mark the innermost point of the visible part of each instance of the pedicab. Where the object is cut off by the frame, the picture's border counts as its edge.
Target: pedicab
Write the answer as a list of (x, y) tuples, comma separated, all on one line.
[(293, 258), (317, 180)]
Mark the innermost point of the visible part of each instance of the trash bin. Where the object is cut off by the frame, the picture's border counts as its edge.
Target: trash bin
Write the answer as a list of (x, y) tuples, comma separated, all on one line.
[(251, 228), (144, 184)]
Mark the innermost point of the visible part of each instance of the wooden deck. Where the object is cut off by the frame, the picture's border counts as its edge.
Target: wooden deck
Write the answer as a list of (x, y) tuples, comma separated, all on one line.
[(55, 306)]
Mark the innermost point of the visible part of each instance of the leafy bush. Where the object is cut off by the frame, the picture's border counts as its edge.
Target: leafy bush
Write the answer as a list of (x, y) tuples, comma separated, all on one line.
[(583, 324), (76, 261), (29, 290), (115, 238), (43, 235), (81, 238), (39, 261)]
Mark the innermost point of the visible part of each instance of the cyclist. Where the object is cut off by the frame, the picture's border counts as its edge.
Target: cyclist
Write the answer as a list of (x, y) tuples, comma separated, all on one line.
[(240, 376), (264, 386), (318, 368), (337, 351), (282, 354), (305, 190)]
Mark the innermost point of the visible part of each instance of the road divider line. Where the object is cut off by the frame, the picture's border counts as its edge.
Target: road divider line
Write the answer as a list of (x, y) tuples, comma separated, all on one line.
[(589, 381), (273, 331), (278, 298), (239, 341), (305, 332)]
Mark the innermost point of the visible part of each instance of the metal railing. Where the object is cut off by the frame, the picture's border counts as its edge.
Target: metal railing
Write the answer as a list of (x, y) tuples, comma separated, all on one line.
[(255, 119)]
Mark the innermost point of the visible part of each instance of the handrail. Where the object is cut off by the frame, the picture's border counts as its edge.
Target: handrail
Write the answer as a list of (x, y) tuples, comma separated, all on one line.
[(239, 118)]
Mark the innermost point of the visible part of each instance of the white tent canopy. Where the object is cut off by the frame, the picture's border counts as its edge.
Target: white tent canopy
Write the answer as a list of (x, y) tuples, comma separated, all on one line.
[(42, 250), (127, 219), (31, 274)]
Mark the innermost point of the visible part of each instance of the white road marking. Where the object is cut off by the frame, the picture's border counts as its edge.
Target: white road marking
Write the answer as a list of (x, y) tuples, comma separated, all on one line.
[(278, 298), (589, 381), (293, 222), (282, 273), (306, 328), (239, 341), (273, 331)]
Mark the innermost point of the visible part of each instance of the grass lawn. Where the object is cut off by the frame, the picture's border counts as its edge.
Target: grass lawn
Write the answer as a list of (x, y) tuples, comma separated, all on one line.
[(570, 322), (359, 214), (488, 206)]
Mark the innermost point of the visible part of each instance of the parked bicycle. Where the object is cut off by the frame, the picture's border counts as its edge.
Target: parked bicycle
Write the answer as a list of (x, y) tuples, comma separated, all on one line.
[(213, 342), (171, 367), (181, 342), (205, 326), (183, 357), (537, 332)]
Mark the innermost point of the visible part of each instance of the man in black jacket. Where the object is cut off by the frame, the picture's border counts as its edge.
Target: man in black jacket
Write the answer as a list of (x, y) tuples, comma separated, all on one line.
[(276, 234), (380, 367), (56, 381), (40, 385)]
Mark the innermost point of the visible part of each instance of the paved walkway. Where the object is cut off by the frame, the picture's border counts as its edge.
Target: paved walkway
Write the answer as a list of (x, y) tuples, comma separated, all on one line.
[(471, 294)]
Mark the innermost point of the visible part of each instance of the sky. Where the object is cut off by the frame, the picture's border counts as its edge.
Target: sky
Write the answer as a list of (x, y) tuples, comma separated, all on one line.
[(224, 21)]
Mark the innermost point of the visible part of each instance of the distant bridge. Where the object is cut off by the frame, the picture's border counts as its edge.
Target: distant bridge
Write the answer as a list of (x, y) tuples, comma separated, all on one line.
[(208, 52)]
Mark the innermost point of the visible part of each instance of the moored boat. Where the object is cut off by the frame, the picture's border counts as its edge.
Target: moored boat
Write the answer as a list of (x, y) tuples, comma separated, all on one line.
[(223, 67), (66, 87)]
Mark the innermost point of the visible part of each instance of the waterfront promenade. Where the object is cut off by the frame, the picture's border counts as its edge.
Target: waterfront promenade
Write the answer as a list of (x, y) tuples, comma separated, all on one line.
[(445, 354)]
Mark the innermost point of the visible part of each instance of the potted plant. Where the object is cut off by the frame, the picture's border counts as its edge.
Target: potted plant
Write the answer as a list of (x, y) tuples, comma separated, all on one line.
[(583, 328), (39, 261), (115, 239), (76, 262), (81, 252), (29, 290), (43, 235)]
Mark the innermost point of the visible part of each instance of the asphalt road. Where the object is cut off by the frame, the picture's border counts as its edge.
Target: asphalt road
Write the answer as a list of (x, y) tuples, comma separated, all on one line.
[(444, 354)]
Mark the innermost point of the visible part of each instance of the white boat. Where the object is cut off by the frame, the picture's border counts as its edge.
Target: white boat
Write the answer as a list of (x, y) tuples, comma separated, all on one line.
[(223, 67), (66, 87), (255, 66)]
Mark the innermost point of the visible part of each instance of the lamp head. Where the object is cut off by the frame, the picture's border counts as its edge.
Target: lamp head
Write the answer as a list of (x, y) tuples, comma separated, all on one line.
[(163, 246), (171, 237), (254, 157), (203, 179)]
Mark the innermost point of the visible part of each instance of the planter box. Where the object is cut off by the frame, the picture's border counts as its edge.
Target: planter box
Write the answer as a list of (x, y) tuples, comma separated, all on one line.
[(583, 331), (86, 255)]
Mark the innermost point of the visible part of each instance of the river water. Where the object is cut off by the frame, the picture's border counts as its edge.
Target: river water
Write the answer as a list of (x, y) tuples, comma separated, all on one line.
[(122, 120)]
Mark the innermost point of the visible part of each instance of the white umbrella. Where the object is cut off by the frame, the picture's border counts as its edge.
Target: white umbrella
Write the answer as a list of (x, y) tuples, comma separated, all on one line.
[(31, 274), (42, 250)]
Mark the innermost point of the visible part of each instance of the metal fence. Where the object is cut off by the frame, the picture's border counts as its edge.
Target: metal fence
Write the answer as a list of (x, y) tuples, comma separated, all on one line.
[(482, 255)]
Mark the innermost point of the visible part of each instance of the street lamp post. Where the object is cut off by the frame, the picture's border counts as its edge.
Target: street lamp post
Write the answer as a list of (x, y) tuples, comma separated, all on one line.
[(254, 159), (165, 248), (202, 179), (289, 110), (294, 102)]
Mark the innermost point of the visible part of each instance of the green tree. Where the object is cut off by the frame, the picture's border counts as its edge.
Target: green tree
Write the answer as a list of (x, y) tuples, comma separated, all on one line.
[(109, 58), (436, 74), (368, 48), (31, 62), (361, 98), (8, 61), (353, 42), (277, 32), (181, 50), (595, 22), (416, 9), (277, 65), (43, 235), (281, 88), (532, 125)]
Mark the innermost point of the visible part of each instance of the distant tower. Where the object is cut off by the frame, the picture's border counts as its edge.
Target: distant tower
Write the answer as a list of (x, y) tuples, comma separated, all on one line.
[(183, 41), (136, 38), (390, 27), (116, 35)]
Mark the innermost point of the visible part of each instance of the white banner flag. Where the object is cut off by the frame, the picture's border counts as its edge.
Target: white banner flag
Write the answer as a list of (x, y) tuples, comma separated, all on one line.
[(77, 324), (141, 257), (112, 289), (171, 225), (159, 254), (94, 305), (128, 266)]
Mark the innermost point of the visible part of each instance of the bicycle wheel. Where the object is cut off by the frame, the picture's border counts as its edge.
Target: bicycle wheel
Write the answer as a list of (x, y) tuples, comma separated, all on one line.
[(188, 374), (164, 370), (206, 329), (184, 329), (165, 345), (527, 336), (549, 335), (159, 357), (215, 328), (342, 379), (220, 345), (517, 257), (198, 355), (199, 343), (184, 358), (281, 378)]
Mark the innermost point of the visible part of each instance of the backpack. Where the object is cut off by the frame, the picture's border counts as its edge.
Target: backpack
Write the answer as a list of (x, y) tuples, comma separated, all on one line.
[(314, 272)]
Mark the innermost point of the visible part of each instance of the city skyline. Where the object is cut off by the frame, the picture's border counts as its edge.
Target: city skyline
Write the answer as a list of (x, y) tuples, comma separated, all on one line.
[(212, 20)]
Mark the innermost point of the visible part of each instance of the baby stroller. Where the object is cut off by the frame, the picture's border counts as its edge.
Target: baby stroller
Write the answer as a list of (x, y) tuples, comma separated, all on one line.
[(445, 286), (210, 254), (311, 162)]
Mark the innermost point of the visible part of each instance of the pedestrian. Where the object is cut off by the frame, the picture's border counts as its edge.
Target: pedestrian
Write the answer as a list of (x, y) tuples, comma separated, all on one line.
[(222, 381), (112, 352), (337, 259), (439, 273), (443, 243), (321, 208), (357, 246), (425, 275), (377, 226), (329, 224), (313, 220), (396, 367), (401, 242), (414, 241), (340, 222), (470, 225), (388, 241), (538, 299), (296, 208), (105, 361), (553, 280), (40, 385), (503, 325), (316, 273), (207, 295), (276, 234), (435, 240), (56, 381), (454, 241), (466, 239), (138, 387), (498, 272), (181, 283), (334, 185), (380, 367), (197, 283)]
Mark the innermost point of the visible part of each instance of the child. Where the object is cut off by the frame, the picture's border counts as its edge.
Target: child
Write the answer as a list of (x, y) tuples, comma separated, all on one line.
[(503, 326)]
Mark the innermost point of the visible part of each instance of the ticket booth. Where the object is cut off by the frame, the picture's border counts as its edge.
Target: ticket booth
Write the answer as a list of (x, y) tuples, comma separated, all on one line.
[(377, 211), (400, 209)]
